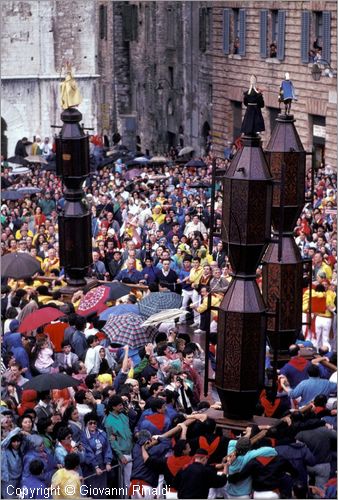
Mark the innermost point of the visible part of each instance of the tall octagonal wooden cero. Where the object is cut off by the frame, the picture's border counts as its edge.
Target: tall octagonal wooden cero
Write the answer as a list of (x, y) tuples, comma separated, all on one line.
[(241, 324), (72, 165), (282, 263)]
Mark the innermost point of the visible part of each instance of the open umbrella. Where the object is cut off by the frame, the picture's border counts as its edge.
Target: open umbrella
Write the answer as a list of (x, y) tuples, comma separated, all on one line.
[(29, 190), (159, 159), (119, 310), (19, 171), (166, 316), (143, 160), (18, 160), (127, 329), (19, 265), (196, 164), (117, 290), (131, 174), (94, 301), (185, 151), (40, 317), (50, 166), (49, 381), (36, 159), (156, 302), (11, 194)]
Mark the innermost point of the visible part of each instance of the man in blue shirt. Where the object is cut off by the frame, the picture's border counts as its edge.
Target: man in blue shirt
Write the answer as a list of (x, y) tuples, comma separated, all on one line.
[(308, 389), (130, 275)]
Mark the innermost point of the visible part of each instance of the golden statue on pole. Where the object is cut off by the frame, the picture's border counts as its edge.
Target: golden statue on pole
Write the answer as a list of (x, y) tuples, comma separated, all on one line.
[(69, 91)]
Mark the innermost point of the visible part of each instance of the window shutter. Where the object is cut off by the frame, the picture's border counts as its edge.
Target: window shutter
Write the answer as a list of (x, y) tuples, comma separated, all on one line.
[(281, 35), (263, 33), (226, 31), (305, 40), (242, 32), (326, 52)]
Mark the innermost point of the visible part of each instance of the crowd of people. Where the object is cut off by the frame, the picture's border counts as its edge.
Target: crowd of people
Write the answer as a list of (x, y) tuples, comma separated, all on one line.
[(137, 419)]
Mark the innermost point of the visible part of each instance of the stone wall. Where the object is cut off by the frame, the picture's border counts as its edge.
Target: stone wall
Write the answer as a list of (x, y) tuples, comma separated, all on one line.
[(231, 74), (38, 37)]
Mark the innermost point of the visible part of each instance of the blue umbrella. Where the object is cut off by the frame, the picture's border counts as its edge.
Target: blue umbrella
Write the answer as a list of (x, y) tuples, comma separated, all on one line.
[(120, 309), (11, 195)]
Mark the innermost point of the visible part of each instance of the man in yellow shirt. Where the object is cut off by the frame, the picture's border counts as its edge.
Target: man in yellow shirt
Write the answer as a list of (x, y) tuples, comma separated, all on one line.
[(51, 262), (194, 278), (202, 309), (318, 265), (23, 232)]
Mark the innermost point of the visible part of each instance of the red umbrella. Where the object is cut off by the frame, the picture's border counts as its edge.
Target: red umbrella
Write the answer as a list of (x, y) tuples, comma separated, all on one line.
[(40, 317), (94, 301)]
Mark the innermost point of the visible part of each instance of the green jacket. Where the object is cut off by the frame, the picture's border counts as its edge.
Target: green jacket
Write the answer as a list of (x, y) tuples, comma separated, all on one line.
[(118, 426)]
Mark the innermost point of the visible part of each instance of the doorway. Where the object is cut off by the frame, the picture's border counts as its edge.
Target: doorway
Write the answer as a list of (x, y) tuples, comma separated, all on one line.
[(4, 139)]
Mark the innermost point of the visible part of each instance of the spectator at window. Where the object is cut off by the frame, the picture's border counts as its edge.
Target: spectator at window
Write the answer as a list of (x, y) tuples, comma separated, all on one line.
[(236, 45), (273, 49)]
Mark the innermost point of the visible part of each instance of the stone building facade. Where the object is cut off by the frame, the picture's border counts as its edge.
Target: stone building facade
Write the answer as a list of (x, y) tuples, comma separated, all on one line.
[(144, 69), (293, 26), (37, 38), (155, 67)]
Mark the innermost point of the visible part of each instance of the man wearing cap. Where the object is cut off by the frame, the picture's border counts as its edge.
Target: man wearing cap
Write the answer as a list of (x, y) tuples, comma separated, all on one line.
[(115, 264), (196, 480)]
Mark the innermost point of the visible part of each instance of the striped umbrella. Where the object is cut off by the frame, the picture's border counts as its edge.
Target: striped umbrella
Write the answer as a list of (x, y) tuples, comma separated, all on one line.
[(127, 329), (156, 302)]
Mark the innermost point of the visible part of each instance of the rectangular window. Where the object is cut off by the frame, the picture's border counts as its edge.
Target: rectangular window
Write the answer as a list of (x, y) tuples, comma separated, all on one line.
[(203, 29), (273, 114), (103, 22), (130, 22), (171, 75), (147, 23), (226, 31), (319, 28), (236, 23), (236, 119), (305, 37), (274, 26), (171, 27)]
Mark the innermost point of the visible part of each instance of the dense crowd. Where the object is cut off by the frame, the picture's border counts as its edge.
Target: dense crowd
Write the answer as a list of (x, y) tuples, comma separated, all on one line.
[(142, 408)]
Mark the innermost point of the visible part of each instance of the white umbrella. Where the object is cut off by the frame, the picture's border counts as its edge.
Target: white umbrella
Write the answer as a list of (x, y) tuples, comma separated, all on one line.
[(36, 159), (20, 171), (186, 151), (167, 315)]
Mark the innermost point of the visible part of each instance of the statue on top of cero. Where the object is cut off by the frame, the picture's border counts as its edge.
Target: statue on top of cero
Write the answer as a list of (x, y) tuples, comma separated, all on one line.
[(70, 96), (253, 121)]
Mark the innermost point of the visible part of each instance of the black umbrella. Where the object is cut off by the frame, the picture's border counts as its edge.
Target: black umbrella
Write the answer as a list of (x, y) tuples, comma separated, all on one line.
[(11, 195), (196, 164), (49, 167), (19, 160), (117, 290), (49, 381), (19, 265)]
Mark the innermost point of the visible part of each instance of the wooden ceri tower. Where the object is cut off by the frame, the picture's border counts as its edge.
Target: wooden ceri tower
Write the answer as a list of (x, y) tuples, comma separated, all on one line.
[(246, 231), (72, 165), (282, 262)]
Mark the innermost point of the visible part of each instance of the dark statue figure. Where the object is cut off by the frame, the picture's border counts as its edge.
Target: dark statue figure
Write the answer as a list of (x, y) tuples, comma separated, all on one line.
[(253, 119)]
